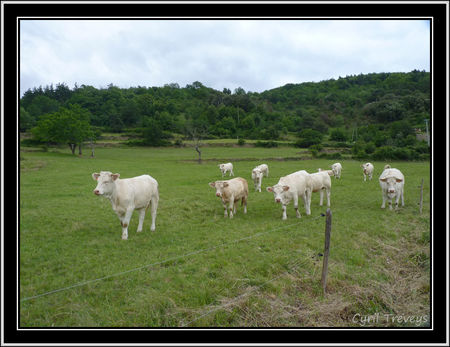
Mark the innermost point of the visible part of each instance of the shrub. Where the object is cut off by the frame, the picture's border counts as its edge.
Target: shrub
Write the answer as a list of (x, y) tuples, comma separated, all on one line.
[(266, 144), (241, 142)]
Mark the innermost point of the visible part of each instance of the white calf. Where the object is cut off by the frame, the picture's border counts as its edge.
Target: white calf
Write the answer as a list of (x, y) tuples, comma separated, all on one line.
[(392, 184), (367, 170), (321, 181), (337, 168), (257, 175), (290, 187), (230, 192), (128, 194), (224, 168)]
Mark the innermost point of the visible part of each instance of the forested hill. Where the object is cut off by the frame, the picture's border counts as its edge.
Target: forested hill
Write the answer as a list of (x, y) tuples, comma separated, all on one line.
[(387, 105)]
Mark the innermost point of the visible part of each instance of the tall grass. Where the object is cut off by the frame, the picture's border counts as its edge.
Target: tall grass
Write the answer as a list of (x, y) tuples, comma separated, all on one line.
[(200, 269)]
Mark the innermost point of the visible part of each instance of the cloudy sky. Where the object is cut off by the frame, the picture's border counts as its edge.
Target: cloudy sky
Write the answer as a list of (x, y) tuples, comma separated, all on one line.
[(256, 55)]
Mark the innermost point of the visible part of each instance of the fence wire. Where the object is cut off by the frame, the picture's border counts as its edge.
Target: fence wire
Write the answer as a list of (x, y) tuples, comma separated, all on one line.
[(80, 284)]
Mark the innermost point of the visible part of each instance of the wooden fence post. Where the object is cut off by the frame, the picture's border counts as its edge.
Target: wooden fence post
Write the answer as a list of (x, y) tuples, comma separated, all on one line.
[(326, 251), (421, 198)]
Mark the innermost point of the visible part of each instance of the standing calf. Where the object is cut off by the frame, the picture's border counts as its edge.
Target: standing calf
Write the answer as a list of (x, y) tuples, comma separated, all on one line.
[(321, 181), (367, 170), (337, 168), (257, 175), (224, 168), (230, 192), (290, 187), (392, 184), (128, 194)]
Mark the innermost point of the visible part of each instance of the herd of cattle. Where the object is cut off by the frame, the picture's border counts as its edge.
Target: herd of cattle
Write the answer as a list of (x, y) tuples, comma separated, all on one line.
[(141, 192)]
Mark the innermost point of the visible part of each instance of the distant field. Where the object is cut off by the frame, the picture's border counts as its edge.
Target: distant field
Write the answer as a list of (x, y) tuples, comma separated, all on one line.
[(200, 269)]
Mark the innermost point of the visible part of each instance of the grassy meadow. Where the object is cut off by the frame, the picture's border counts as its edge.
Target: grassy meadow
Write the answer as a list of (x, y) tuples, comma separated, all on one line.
[(199, 269)]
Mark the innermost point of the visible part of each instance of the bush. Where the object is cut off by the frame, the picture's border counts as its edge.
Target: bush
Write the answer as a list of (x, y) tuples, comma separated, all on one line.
[(241, 142), (266, 144)]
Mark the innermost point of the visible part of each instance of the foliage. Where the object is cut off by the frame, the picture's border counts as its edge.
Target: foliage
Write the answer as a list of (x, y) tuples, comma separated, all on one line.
[(68, 125), (384, 109)]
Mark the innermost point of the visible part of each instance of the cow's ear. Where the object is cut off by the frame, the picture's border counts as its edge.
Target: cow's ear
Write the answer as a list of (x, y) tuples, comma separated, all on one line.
[(115, 176), (212, 184), (383, 179), (285, 188), (225, 184), (95, 176), (269, 189), (399, 180)]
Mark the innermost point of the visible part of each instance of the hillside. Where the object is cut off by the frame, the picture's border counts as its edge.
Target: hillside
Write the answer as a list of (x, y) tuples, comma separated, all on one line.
[(379, 109)]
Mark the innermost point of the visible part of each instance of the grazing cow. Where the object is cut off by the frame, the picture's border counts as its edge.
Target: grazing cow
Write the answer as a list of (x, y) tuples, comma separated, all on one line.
[(321, 181), (290, 187), (224, 168), (230, 192), (128, 194), (367, 170), (337, 168), (392, 183), (257, 175)]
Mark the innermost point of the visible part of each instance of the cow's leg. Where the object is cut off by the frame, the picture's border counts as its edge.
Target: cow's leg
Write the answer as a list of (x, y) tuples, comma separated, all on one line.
[(141, 219), (231, 172), (328, 197), (154, 209), (321, 197), (364, 177), (284, 212), (225, 207), (403, 201), (307, 201), (125, 222), (297, 212), (244, 202), (383, 204), (231, 206)]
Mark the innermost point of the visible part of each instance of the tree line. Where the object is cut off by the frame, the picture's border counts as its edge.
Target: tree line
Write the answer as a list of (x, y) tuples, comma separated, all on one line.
[(369, 110)]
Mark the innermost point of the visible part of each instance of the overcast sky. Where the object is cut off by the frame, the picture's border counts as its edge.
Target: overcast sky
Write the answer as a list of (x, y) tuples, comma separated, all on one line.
[(256, 55)]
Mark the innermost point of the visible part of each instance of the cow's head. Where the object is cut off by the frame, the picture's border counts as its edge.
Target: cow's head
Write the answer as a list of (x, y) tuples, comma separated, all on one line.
[(256, 173), (391, 185), (279, 193), (105, 182), (219, 186)]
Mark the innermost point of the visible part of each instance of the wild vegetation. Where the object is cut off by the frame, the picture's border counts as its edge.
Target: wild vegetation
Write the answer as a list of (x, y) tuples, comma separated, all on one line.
[(377, 116)]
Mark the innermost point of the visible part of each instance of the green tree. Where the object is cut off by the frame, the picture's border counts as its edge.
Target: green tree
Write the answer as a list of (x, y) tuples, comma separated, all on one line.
[(68, 125)]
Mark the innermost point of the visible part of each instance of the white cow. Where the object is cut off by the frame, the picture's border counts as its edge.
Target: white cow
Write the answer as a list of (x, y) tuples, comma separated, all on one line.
[(392, 183), (224, 168), (337, 168), (290, 187), (257, 175), (321, 181), (128, 194), (367, 170), (230, 192)]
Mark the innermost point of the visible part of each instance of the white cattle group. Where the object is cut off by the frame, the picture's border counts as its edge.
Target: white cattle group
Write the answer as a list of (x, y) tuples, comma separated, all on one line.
[(139, 193)]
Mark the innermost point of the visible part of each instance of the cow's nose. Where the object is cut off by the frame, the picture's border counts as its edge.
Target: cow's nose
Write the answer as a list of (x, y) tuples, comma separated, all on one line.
[(391, 191), (96, 192), (277, 200), (218, 194)]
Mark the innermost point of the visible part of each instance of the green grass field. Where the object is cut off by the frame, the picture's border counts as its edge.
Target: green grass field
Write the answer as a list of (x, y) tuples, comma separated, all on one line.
[(200, 269)]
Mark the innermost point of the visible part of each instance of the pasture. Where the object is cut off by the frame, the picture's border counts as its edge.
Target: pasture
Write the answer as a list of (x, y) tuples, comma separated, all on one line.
[(199, 269)]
